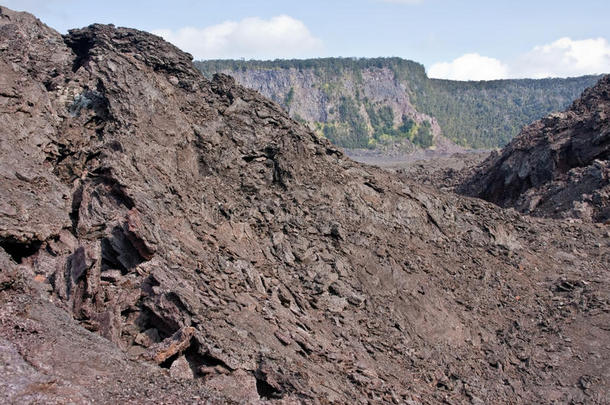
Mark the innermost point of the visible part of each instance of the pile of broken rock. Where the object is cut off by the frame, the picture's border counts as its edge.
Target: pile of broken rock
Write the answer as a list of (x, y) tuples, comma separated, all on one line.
[(164, 236)]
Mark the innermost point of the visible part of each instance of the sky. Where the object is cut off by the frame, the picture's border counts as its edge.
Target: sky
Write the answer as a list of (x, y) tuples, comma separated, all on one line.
[(453, 39)]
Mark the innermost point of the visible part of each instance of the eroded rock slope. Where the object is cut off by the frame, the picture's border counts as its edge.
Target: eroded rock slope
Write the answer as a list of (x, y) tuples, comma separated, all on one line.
[(172, 238), (558, 166)]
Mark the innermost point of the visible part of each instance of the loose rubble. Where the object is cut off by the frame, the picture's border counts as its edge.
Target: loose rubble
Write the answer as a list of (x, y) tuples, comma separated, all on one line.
[(172, 239)]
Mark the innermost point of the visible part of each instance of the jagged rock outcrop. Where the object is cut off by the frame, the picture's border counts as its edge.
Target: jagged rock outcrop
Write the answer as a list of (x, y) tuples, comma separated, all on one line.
[(558, 166), (165, 237)]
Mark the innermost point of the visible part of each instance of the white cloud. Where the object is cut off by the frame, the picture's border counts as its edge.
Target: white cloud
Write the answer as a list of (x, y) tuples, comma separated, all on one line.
[(562, 58), (251, 38), (471, 66)]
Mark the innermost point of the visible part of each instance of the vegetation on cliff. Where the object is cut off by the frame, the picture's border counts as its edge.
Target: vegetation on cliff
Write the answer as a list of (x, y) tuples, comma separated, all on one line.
[(361, 102)]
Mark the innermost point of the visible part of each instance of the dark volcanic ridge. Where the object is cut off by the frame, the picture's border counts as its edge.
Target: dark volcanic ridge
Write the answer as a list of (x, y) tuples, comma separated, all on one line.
[(169, 238), (558, 166)]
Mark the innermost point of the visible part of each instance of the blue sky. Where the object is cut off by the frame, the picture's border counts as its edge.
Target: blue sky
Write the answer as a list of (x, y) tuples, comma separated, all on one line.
[(453, 39)]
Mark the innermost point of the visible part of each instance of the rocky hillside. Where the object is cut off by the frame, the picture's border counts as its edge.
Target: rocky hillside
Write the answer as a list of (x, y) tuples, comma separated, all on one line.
[(173, 239), (558, 166), (386, 102)]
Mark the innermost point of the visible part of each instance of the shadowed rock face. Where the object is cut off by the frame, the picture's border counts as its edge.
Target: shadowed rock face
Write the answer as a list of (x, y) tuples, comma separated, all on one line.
[(558, 166), (172, 238)]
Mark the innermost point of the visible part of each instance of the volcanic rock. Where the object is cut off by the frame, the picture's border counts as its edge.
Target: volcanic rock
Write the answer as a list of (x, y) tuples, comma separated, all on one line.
[(558, 166), (152, 220), (181, 369)]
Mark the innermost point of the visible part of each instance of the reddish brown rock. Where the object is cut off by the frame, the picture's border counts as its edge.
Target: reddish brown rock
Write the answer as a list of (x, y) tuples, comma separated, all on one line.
[(240, 386), (173, 345), (181, 369), (146, 197)]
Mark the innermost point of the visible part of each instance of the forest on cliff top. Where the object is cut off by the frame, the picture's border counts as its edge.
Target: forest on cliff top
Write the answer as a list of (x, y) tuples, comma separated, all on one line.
[(473, 114)]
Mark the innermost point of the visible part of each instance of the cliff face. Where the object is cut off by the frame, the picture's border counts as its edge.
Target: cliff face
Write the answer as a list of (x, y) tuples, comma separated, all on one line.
[(558, 166), (165, 237), (381, 102), (348, 108), (307, 101)]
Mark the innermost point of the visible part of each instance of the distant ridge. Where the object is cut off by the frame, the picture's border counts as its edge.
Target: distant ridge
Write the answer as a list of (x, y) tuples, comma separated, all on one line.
[(376, 102)]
